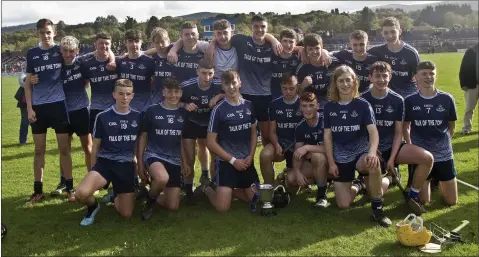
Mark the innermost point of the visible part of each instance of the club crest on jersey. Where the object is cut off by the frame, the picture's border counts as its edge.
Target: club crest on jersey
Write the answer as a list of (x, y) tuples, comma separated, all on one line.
[(294, 63), (180, 119), (403, 62), (69, 72), (390, 109), (248, 112), (141, 67), (354, 114), (440, 108), (249, 44), (134, 124), (55, 54), (298, 112), (76, 67)]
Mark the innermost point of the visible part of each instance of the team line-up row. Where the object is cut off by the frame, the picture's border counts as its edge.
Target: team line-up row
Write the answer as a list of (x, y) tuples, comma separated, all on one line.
[(308, 109)]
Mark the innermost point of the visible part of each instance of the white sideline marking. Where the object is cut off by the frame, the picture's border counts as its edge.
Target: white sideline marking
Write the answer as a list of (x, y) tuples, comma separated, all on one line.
[(467, 184)]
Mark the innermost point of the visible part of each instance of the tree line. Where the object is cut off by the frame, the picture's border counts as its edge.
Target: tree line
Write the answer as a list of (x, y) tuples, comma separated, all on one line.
[(333, 22)]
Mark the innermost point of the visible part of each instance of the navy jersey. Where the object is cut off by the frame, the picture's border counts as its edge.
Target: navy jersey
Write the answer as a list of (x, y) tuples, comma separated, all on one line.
[(361, 68), (403, 64), (139, 71), (254, 64), (321, 79), (310, 135), (286, 115), (47, 64), (185, 68), (118, 133), (74, 87), (102, 81), (192, 93), (429, 117), (232, 123), (163, 70), (348, 126), (387, 110), (164, 127), (280, 66)]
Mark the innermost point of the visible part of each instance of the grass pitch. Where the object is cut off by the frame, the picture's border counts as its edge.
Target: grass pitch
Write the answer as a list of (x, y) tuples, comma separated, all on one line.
[(52, 227)]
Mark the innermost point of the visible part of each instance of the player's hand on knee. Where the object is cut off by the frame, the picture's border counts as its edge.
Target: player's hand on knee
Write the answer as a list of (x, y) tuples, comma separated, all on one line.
[(278, 149), (299, 153), (390, 165), (145, 178), (248, 160), (34, 79), (333, 170), (372, 161), (301, 179), (186, 171)]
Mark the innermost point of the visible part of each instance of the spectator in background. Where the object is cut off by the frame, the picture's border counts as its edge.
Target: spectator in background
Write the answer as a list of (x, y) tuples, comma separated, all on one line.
[(468, 78), (22, 104)]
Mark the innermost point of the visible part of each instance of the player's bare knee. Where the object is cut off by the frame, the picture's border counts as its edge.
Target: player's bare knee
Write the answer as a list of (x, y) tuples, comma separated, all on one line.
[(428, 159), (81, 194), (125, 212), (343, 204)]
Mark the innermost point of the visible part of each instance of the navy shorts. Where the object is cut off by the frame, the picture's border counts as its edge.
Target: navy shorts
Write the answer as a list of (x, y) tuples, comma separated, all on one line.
[(192, 130), (120, 174), (260, 105), (228, 176), (347, 171), (79, 122), (93, 114), (174, 171), (288, 155), (51, 115), (443, 171), (387, 154)]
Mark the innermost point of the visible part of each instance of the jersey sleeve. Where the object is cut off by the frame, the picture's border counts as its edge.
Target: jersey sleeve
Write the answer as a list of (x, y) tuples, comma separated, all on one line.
[(98, 128), (452, 115), (414, 61), (326, 112), (146, 121), (30, 62), (368, 117), (214, 120), (401, 110), (253, 119), (299, 73)]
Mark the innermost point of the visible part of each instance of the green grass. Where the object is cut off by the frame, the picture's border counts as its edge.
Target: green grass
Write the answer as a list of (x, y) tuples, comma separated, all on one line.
[(52, 228)]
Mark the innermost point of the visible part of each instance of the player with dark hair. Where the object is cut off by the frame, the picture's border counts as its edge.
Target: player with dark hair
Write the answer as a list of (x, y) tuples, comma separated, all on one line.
[(309, 159), (160, 149), (284, 114), (200, 95), (232, 138), (431, 113)]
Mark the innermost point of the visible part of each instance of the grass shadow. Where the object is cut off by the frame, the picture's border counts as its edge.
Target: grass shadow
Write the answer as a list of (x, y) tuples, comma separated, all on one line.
[(29, 154)]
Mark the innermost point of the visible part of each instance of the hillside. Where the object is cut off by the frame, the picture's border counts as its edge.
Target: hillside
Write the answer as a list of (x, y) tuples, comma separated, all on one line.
[(198, 16), (18, 27), (416, 7)]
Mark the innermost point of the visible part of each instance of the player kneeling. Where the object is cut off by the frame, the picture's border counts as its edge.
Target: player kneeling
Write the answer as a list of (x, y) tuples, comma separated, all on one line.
[(160, 149), (348, 123), (114, 143), (432, 116), (284, 114), (309, 159), (232, 138), (388, 109)]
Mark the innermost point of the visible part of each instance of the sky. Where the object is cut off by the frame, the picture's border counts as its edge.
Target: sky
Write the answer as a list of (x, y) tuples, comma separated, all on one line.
[(75, 12)]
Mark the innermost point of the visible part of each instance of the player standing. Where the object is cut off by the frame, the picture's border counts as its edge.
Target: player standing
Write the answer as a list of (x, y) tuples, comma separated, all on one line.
[(285, 62), (46, 106)]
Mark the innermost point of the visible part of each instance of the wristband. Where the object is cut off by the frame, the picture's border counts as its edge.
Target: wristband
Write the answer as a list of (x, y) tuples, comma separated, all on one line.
[(233, 159)]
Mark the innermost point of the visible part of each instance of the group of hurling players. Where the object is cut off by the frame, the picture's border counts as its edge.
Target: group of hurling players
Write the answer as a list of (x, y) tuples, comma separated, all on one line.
[(327, 114)]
